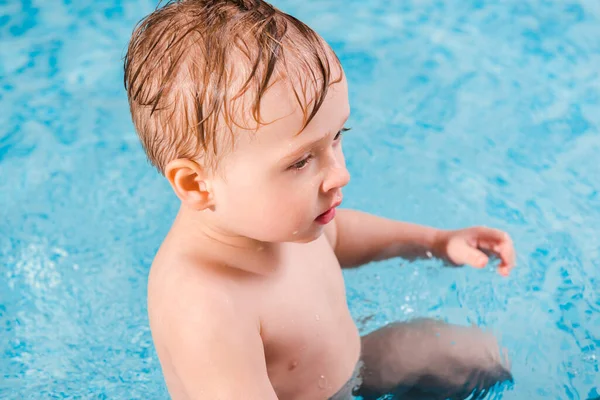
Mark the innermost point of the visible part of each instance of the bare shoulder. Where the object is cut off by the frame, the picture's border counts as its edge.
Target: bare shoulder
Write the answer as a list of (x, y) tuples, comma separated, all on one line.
[(202, 334), (181, 291)]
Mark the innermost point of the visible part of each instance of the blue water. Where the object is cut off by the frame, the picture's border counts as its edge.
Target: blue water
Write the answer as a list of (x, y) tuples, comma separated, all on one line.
[(464, 112)]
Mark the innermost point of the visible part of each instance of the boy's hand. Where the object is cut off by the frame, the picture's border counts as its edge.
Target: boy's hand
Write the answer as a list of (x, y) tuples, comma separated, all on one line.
[(470, 246)]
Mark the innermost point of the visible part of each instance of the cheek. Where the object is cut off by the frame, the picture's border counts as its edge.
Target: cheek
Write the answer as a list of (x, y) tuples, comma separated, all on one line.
[(290, 203), (270, 207), (289, 200)]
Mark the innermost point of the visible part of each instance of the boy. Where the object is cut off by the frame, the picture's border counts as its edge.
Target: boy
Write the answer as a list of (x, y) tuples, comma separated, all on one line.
[(242, 108)]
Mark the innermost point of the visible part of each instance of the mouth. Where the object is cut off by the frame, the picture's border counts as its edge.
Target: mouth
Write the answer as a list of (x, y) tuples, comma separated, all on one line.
[(328, 215)]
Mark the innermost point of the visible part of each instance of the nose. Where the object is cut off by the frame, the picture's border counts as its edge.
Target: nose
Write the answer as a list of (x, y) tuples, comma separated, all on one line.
[(337, 175)]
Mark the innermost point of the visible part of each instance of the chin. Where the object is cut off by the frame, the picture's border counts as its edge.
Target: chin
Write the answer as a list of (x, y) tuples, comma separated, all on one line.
[(307, 237)]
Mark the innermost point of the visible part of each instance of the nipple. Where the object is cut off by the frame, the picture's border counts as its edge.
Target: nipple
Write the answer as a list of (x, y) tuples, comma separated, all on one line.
[(293, 365), (322, 382)]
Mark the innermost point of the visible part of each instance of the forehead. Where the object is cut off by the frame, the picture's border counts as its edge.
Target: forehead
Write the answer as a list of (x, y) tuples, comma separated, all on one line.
[(283, 117)]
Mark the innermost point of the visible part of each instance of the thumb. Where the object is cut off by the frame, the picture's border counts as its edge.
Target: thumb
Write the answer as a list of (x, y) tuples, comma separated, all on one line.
[(459, 252)]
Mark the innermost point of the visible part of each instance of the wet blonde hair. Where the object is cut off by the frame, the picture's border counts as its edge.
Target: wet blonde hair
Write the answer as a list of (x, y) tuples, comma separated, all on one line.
[(190, 61)]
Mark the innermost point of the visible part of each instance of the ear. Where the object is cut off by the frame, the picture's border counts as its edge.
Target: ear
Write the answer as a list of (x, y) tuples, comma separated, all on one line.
[(190, 182)]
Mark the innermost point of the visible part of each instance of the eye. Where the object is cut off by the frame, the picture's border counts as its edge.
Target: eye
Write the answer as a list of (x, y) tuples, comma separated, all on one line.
[(301, 164), (338, 135)]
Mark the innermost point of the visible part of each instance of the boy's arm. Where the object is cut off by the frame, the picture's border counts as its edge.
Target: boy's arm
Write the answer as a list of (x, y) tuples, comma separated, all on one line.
[(359, 238), (215, 351)]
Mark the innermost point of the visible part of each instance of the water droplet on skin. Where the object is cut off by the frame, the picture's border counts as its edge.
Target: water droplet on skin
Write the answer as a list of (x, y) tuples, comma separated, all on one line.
[(322, 382), (429, 255), (317, 317), (295, 233), (260, 248)]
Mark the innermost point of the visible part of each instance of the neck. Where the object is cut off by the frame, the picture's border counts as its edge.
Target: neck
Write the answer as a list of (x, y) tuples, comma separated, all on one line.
[(224, 248)]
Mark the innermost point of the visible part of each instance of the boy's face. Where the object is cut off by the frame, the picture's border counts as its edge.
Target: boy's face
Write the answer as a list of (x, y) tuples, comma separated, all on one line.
[(278, 185)]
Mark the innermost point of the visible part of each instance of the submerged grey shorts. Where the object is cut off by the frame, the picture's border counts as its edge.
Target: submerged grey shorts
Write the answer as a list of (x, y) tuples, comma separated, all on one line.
[(345, 393)]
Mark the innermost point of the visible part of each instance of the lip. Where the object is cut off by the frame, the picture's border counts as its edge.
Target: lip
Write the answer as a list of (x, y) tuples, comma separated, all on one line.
[(337, 203), (328, 215)]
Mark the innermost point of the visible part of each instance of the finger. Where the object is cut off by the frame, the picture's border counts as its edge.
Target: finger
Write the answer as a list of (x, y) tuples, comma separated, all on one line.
[(499, 243), (506, 252), (491, 234), (461, 253), (503, 268)]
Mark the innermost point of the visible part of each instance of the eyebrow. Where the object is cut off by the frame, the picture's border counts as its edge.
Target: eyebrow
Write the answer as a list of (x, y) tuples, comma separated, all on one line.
[(303, 149)]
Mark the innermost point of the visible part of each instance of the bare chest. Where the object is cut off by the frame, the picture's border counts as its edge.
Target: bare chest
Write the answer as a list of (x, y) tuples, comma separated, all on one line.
[(311, 342)]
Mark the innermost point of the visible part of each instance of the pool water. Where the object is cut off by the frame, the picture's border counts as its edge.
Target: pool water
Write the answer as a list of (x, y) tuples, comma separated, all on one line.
[(464, 112)]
